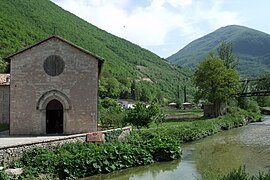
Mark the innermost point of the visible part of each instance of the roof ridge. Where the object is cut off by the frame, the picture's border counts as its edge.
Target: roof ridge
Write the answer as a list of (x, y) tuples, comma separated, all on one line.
[(57, 37)]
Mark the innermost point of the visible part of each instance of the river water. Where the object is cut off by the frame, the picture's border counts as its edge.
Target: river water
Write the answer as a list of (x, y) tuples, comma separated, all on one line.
[(247, 146)]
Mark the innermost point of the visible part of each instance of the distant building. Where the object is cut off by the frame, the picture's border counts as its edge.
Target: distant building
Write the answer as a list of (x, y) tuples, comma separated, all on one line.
[(4, 98), (53, 89), (188, 105), (127, 103), (172, 105)]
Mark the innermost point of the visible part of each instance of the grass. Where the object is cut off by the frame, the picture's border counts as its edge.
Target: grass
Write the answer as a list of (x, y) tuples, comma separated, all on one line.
[(196, 129), (169, 111), (179, 123)]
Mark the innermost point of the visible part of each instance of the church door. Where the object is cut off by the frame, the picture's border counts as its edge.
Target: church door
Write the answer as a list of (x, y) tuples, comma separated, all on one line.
[(54, 117)]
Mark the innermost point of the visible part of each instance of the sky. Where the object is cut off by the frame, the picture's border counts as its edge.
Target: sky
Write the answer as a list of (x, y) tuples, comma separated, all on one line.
[(166, 26)]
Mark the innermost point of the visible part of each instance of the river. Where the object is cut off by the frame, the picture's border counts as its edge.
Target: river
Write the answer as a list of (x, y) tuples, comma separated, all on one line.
[(223, 152)]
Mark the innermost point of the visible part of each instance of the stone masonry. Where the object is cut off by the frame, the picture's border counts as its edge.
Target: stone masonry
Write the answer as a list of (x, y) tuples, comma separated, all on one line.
[(4, 98), (13, 151), (32, 88)]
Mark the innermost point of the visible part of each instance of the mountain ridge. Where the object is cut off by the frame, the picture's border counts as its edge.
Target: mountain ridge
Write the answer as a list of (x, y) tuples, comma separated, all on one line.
[(249, 45)]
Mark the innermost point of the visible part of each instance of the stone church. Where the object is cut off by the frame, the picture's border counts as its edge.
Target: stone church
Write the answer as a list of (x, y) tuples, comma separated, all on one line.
[(53, 89)]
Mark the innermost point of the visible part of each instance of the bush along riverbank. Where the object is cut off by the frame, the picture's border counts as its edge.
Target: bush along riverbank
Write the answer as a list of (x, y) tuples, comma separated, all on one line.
[(72, 161), (241, 174), (142, 147), (195, 130)]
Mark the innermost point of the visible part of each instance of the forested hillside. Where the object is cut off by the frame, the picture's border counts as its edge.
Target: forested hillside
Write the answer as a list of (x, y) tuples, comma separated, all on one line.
[(129, 70), (249, 45)]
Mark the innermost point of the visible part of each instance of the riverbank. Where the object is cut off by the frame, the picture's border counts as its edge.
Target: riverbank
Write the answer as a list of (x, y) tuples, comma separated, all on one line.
[(226, 151), (79, 160), (187, 131), (210, 158)]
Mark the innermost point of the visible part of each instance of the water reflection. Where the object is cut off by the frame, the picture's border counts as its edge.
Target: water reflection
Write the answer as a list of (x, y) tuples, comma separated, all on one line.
[(156, 171), (223, 152)]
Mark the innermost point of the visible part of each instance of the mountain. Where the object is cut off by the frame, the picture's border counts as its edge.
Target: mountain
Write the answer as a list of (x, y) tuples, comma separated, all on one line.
[(24, 22), (252, 47)]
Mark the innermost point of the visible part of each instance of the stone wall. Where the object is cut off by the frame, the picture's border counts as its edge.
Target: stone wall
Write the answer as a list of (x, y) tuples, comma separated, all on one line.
[(11, 153), (4, 104)]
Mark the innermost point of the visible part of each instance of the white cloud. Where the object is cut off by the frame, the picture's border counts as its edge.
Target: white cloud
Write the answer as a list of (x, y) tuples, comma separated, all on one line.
[(215, 16), (177, 3), (150, 23)]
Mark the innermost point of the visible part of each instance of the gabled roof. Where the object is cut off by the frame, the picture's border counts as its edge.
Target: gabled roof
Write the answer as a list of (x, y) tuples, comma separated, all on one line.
[(4, 79), (101, 60)]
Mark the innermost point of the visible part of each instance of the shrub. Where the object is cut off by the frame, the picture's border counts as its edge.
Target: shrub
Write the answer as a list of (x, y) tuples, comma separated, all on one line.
[(241, 174), (112, 117), (86, 159), (253, 106), (141, 115), (3, 175), (39, 160), (161, 147)]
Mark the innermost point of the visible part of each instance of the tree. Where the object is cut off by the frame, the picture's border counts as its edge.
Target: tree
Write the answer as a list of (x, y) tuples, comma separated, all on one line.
[(215, 82), (225, 53), (125, 87), (109, 87), (263, 84), (3, 66), (142, 116)]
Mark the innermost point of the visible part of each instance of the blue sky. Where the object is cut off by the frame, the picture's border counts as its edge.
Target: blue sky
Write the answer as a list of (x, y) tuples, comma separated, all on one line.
[(166, 26)]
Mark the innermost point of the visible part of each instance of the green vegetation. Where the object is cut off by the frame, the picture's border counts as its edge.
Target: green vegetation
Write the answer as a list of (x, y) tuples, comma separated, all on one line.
[(215, 82), (3, 66), (141, 115), (235, 174), (241, 174), (112, 116), (129, 70), (195, 111), (86, 159), (142, 147), (186, 131), (250, 46), (225, 52), (3, 175)]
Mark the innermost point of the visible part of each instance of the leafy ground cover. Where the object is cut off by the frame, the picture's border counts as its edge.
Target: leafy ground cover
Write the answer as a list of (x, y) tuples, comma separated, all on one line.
[(142, 147), (72, 161), (241, 174)]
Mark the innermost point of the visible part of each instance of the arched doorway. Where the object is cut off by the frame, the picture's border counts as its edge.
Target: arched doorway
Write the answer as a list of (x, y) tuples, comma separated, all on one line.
[(54, 117)]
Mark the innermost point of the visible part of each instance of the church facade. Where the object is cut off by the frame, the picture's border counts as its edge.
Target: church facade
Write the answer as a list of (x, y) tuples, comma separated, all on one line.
[(53, 89)]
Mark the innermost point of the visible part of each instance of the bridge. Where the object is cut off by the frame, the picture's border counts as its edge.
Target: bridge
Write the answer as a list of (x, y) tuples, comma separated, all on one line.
[(247, 92)]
